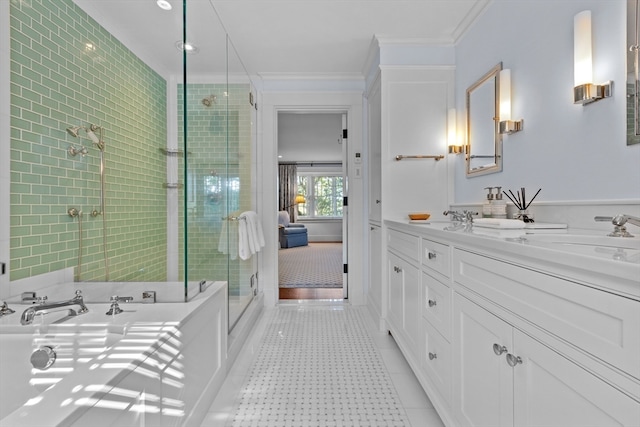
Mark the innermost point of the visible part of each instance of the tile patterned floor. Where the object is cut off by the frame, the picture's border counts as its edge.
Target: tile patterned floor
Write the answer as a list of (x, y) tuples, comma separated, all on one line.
[(320, 364)]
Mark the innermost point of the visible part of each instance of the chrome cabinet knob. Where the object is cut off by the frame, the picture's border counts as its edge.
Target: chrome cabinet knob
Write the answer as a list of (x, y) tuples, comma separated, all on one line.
[(397, 269), (513, 360), (499, 349), (432, 356), (431, 255), (432, 303)]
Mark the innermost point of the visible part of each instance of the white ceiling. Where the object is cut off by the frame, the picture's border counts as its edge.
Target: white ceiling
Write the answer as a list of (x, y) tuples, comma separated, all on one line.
[(279, 37)]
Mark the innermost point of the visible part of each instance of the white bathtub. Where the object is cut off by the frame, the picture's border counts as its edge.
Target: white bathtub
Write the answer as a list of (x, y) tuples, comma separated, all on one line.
[(154, 364)]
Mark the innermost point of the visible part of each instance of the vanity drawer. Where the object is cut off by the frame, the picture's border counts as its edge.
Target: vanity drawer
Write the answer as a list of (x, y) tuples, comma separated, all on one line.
[(601, 323), (404, 244), (436, 360), (436, 257), (436, 307)]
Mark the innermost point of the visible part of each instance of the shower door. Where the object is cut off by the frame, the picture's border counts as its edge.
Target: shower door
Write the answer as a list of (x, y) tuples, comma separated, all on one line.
[(218, 132)]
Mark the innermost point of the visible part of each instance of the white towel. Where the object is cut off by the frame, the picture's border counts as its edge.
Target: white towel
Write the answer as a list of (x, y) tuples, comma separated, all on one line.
[(244, 248), (250, 235), (498, 223)]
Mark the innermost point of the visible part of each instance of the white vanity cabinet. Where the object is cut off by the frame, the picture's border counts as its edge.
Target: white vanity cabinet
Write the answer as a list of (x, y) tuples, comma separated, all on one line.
[(504, 377), (514, 335)]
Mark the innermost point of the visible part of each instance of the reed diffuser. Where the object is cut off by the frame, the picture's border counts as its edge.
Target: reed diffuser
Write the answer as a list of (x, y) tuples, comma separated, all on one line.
[(520, 201)]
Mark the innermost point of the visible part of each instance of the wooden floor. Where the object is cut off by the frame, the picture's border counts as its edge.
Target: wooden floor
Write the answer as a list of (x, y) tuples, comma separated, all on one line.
[(310, 293)]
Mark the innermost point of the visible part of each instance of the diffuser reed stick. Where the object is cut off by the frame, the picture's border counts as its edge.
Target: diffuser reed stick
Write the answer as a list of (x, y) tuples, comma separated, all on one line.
[(520, 202)]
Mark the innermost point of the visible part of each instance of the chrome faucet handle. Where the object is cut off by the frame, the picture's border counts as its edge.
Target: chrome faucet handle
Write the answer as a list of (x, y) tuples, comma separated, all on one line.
[(619, 221), (41, 300), (4, 309), (456, 216), (468, 215), (115, 307)]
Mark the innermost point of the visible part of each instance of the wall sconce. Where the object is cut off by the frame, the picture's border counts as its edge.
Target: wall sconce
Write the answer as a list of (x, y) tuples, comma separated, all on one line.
[(507, 125), (452, 133), (584, 91)]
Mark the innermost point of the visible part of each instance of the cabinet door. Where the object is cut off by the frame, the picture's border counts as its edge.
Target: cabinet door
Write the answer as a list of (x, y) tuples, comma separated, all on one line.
[(374, 293), (405, 301), (483, 381), (412, 305), (550, 390), (395, 289), (375, 152)]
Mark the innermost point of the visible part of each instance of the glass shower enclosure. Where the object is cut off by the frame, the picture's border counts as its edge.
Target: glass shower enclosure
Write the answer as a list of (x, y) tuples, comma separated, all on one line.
[(132, 158)]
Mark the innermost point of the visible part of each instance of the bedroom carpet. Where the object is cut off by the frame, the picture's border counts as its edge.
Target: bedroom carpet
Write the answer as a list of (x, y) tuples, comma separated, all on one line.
[(318, 265)]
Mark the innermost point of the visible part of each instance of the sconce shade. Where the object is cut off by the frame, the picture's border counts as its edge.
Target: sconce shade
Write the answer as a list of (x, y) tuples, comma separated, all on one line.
[(299, 199), (582, 54), (584, 91), (507, 125), (505, 95), (452, 134)]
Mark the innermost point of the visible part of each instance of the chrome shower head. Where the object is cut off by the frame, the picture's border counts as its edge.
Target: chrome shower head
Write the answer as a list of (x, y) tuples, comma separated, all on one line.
[(209, 100), (73, 130)]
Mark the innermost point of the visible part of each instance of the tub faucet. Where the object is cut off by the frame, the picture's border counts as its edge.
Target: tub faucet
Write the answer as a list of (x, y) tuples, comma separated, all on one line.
[(46, 307)]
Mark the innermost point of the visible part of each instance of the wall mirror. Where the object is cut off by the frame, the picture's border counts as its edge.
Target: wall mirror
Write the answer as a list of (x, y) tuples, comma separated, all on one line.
[(483, 137), (633, 83)]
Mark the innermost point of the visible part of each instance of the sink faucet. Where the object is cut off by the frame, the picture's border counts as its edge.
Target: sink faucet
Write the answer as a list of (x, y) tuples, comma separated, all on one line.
[(30, 313), (464, 216), (618, 222)]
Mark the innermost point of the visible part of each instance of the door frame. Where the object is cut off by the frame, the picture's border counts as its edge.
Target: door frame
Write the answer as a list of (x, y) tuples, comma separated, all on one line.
[(344, 170)]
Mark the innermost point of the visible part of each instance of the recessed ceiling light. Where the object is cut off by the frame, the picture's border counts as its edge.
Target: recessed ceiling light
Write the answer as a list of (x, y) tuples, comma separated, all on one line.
[(164, 4), (187, 47)]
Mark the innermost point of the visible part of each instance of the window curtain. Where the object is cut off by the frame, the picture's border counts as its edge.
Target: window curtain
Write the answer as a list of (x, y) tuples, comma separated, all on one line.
[(288, 188)]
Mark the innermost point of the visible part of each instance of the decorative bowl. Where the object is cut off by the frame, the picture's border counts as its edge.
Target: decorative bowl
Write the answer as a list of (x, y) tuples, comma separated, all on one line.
[(419, 216)]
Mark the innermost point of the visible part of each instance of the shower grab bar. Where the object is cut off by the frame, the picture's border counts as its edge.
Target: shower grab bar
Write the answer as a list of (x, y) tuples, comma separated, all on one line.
[(234, 218), (418, 156), (171, 185)]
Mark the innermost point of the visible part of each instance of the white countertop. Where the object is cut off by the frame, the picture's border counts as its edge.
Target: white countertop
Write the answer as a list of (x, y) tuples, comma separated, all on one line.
[(604, 267)]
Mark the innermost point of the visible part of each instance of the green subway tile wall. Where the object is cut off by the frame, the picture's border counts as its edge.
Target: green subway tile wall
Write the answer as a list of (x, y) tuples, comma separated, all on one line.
[(67, 70)]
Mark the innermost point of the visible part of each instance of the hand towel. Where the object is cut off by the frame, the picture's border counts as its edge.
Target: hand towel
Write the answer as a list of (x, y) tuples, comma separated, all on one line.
[(250, 234), (244, 249), (498, 223)]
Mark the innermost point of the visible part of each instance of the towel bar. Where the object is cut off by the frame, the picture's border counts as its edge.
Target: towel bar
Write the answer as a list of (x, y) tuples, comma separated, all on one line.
[(434, 157)]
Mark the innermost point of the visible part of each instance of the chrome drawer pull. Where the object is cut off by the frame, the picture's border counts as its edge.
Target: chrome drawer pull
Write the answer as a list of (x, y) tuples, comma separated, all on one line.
[(499, 349), (513, 360), (432, 303), (431, 255), (432, 356)]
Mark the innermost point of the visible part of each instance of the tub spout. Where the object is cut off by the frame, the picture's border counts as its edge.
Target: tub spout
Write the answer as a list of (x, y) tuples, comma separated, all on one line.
[(46, 307)]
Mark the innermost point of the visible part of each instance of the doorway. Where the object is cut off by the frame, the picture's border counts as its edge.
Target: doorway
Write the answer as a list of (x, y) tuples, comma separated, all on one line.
[(312, 146)]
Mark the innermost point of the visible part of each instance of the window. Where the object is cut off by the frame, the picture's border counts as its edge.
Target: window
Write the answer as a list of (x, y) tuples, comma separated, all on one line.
[(323, 194)]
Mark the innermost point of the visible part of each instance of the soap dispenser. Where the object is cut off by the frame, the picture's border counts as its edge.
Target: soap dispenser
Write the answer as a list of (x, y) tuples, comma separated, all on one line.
[(499, 205), (486, 206)]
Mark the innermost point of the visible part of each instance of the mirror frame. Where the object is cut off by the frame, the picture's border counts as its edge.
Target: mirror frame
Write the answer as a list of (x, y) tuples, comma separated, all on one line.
[(633, 73), (496, 166)]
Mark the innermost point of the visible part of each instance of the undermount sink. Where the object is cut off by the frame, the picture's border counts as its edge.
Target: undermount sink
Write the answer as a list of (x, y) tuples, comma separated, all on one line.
[(618, 248)]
